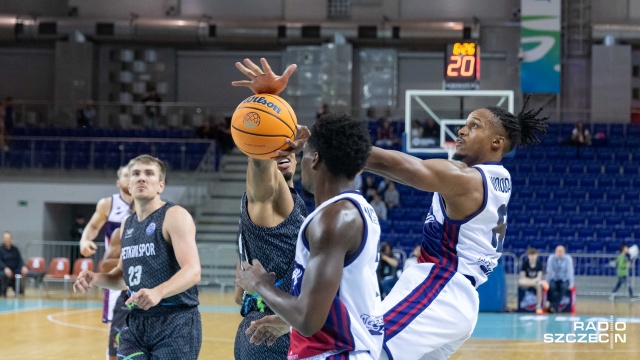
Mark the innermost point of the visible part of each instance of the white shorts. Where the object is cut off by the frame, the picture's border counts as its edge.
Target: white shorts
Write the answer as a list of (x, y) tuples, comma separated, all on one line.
[(110, 298), (430, 312)]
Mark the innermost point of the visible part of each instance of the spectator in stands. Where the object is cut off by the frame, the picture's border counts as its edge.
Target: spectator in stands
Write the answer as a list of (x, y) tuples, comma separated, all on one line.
[(86, 114), (580, 136), (413, 258), (11, 263), (379, 207), (559, 276), (222, 134), (385, 137), (392, 196), (152, 102), (369, 188), (531, 276), (431, 132), (387, 269), (416, 133), (383, 186), (78, 227), (205, 131), (622, 269)]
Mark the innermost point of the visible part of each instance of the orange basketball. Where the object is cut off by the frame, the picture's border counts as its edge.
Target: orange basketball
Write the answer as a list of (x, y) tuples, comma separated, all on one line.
[(261, 124)]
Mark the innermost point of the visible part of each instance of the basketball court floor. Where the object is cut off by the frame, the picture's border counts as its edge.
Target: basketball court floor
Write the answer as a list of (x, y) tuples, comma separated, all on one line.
[(53, 328)]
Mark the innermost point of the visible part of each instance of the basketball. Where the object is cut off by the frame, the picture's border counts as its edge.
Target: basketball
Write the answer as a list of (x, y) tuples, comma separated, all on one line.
[(261, 124)]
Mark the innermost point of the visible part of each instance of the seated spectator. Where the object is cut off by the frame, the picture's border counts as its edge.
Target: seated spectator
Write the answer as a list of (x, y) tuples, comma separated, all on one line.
[(387, 269), (382, 186), (369, 188), (379, 207), (431, 133), (531, 276), (86, 114), (416, 132), (11, 263), (413, 258), (559, 276), (385, 136), (580, 136), (392, 196)]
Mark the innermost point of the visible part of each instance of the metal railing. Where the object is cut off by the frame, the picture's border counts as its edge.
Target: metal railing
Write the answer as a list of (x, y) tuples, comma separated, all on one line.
[(198, 188)]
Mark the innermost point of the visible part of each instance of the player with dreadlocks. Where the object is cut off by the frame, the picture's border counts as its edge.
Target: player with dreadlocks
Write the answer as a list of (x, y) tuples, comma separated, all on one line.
[(433, 308)]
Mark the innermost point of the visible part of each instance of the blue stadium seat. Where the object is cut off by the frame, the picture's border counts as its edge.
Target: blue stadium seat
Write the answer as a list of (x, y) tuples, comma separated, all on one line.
[(548, 231), (385, 226), (570, 180), (596, 194), (587, 153), (540, 218), (604, 232), (585, 232), (402, 227), (403, 190), (536, 180), (595, 219), (621, 155), (605, 154), (558, 218), (410, 201), (567, 232), (623, 233), (616, 131), (569, 205), (576, 220), (558, 168), (587, 206), (553, 180), (524, 193), (630, 168), (518, 244), (522, 218), (595, 246), (635, 182), (614, 220), (417, 227), (587, 181), (577, 194), (631, 194), (415, 215), (611, 247), (605, 181), (396, 214), (113, 160), (576, 168), (543, 194), (561, 194), (553, 243), (614, 195), (622, 207), (539, 244), (550, 206), (603, 208), (632, 220), (576, 246), (525, 167), (612, 168), (594, 168), (530, 231)]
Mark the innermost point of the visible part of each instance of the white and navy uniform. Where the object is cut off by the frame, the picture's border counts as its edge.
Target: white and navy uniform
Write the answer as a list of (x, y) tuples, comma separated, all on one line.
[(433, 308), (354, 328), (118, 212)]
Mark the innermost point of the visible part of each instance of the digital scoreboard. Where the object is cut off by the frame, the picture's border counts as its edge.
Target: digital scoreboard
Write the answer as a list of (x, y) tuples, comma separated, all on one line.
[(462, 66)]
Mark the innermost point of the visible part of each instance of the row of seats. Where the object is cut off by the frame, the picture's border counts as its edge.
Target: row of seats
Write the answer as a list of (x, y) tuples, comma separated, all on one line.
[(578, 153), (572, 181), (631, 194), (59, 268), (581, 231), (575, 167), (573, 246), (111, 133), (109, 146)]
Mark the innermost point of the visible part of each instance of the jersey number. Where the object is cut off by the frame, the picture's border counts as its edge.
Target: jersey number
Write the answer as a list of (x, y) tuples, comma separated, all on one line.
[(501, 228), (134, 275)]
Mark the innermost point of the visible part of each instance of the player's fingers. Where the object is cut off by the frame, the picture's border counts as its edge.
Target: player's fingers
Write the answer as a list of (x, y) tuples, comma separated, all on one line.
[(303, 131), (93, 246), (259, 336), (243, 69), (287, 73), (246, 265), (241, 83), (265, 66), (253, 67)]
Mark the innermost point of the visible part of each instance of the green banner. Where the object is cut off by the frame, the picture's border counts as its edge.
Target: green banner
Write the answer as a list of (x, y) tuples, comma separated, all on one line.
[(540, 46)]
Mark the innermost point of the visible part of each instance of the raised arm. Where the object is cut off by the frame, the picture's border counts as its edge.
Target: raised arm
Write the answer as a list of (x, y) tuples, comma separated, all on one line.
[(332, 234), (444, 176), (267, 193), (97, 221)]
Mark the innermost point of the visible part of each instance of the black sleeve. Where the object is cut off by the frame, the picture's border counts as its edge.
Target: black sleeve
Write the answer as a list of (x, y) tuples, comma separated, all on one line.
[(539, 266), (20, 258), (2, 265), (525, 264)]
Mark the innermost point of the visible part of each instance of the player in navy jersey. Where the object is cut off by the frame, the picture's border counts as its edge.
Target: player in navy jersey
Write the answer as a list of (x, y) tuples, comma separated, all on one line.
[(110, 212), (160, 267), (334, 308), (272, 213)]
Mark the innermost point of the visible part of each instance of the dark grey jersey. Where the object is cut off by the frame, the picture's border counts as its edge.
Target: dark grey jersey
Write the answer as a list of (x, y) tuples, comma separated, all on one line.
[(148, 260)]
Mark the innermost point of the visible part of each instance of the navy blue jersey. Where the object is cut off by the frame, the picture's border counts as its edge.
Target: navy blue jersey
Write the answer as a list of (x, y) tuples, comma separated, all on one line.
[(148, 260)]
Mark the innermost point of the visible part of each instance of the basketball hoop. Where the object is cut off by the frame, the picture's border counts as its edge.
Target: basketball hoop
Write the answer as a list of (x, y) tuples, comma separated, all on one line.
[(450, 147)]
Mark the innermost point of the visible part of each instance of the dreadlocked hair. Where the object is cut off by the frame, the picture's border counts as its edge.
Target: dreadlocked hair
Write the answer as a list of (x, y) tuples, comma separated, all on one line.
[(522, 129)]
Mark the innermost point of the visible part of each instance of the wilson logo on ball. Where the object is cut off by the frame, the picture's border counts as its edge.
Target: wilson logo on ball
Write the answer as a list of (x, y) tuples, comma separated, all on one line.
[(262, 101), (251, 120)]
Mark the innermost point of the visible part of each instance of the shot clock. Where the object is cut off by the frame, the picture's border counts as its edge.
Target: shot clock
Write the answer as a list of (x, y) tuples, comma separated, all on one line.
[(462, 66)]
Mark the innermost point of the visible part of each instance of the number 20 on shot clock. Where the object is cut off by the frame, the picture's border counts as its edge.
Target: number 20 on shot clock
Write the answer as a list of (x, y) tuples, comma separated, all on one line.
[(462, 66)]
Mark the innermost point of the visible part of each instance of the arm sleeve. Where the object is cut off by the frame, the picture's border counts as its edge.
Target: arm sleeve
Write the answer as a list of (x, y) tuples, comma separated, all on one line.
[(550, 274)]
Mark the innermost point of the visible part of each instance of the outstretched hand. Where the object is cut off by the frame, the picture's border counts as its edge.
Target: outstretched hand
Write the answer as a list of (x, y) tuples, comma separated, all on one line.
[(268, 329), (263, 81), (295, 146)]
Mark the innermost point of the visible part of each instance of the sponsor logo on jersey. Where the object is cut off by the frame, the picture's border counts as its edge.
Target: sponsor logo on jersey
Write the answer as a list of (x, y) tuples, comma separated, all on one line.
[(139, 250), (151, 228), (128, 233), (374, 324)]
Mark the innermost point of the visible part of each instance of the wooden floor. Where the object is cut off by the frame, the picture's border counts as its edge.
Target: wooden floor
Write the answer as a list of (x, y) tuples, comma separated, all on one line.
[(73, 330)]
